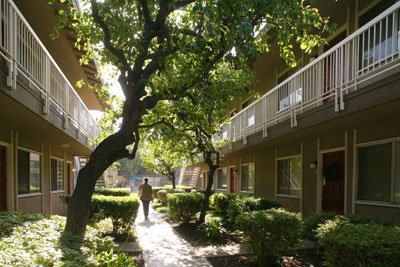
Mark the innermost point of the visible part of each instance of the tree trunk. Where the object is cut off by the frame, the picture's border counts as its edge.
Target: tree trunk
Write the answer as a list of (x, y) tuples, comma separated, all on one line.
[(173, 182), (210, 180), (108, 151)]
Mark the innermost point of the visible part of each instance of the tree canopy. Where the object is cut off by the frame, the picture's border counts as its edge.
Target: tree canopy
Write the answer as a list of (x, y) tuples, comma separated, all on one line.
[(164, 157), (176, 51)]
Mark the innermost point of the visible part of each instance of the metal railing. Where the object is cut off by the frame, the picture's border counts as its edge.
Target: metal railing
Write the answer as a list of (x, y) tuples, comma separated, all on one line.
[(27, 56), (370, 51)]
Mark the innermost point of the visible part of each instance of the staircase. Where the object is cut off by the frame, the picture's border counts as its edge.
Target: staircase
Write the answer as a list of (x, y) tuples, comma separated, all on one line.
[(189, 176)]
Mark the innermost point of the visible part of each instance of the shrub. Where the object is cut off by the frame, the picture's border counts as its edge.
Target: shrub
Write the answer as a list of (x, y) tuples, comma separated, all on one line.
[(239, 203), (112, 191), (360, 245), (271, 233), (162, 209), (220, 202), (213, 230), (362, 219), (121, 210), (41, 242), (178, 190), (312, 223), (268, 203), (162, 197), (65, 198), (184, 206)]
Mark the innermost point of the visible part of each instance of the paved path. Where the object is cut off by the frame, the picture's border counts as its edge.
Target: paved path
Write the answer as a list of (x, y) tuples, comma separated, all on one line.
[(162, 246)]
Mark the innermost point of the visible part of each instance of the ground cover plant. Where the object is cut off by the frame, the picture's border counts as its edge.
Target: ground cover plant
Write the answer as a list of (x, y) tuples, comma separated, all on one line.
[(212, 230), (38, 240)]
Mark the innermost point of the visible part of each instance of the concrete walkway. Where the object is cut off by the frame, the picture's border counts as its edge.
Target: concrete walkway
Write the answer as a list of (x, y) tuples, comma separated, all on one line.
[(162, 246)]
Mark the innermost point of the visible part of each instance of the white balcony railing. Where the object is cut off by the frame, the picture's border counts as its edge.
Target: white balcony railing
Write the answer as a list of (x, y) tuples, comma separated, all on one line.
[(365, 54), (27, 56)]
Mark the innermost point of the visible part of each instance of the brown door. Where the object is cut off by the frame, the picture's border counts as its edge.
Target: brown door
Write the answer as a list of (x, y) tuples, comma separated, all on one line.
[(333, 182), (3, 190), (331, 64), (232, 180), (204, 180)]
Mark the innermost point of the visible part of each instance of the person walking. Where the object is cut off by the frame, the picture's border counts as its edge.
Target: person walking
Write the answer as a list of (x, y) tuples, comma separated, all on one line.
[(146, 195)]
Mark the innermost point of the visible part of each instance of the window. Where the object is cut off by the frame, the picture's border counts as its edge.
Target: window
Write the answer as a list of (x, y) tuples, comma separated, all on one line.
[(250, 116), (379, 173), (221, 178), (290, 93), (250, 119), (57, 175), (289, 176), (377, 43), (247, 173), (28, 172)]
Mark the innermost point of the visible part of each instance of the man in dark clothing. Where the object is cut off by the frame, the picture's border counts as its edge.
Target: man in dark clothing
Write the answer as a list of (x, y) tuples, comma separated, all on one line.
[(146, 195)]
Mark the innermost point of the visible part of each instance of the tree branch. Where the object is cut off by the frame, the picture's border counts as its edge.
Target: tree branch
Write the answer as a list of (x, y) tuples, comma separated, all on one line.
[(107, 36), (146, 12)]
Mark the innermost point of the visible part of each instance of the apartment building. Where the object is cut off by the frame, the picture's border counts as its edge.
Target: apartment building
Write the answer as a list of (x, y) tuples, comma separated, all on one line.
[(44, 119), (324, 136)]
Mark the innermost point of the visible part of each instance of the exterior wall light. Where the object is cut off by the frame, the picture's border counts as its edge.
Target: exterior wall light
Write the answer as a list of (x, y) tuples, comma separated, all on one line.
[(313, 165)]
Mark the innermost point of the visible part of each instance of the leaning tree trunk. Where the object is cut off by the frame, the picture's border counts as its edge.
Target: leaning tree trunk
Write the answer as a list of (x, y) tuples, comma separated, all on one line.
[(108, 151), (207, 194)]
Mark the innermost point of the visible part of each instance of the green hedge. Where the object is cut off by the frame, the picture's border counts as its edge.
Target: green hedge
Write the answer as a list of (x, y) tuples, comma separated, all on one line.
[(184, 206), (162, 197), (346, 244), (112, 191), (229, 206), (312, 222), (271, 233), (121, 210)]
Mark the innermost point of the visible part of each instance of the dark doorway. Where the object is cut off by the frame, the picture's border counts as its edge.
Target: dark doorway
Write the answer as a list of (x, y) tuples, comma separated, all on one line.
[(334, 66), (232, 180), (3, 177), (333, 182)]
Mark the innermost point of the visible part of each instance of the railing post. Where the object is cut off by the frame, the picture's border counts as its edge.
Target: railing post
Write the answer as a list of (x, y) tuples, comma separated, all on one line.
[(341, 99), (265, 130), (66, 104), (336, 100), (46, 106), (12, 45)]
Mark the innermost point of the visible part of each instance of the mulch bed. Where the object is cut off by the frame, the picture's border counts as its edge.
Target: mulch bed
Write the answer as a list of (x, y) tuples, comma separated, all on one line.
[(302, 258), (195, 238)]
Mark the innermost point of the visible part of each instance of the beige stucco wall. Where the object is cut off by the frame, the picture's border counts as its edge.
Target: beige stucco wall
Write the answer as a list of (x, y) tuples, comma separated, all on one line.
[(58, 207), (30, 204)]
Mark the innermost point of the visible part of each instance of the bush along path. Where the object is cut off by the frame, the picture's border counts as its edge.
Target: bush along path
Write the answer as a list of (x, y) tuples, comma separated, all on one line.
[(277, 236)]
